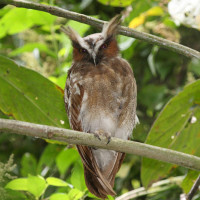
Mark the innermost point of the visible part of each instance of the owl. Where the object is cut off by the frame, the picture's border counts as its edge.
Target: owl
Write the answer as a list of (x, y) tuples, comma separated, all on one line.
[(100, 98)]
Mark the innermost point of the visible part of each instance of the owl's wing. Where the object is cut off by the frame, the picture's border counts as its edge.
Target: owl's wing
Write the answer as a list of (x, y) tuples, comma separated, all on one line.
[(95, 181)]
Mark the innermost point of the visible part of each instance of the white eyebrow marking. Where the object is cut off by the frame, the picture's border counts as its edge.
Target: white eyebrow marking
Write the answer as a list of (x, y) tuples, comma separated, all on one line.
[(98, 44)]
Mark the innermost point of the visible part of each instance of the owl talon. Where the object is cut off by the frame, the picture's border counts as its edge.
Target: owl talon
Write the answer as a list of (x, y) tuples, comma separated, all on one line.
[(103, 133), (97, 136), (109, 139)]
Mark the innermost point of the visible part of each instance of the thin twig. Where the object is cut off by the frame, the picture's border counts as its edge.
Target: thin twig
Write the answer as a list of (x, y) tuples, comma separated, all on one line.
[(156, 187), (186, 51), (76, 137), (194, 189)]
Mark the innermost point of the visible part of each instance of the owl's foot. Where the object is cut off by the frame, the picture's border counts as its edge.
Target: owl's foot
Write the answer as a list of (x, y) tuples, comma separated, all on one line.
[(102, 133), (97, 136)]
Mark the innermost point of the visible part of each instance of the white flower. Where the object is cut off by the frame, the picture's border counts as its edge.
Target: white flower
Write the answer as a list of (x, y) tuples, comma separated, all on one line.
[(185, 12)]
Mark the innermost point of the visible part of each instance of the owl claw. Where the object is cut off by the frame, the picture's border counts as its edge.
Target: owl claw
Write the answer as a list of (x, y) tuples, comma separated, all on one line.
[(109, 139), (103, 133), (97, 136)]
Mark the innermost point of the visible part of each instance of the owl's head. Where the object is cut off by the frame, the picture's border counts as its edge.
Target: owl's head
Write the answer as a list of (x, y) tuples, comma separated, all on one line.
[(96, 47)]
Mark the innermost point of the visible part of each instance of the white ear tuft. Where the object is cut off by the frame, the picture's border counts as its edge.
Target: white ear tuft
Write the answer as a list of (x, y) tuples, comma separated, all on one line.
[(73, 35), (110, 28)]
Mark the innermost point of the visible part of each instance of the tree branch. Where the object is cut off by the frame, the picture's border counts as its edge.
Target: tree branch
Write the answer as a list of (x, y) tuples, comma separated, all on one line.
[(194, 189), (186, 51), (156, 187), (76, 137)]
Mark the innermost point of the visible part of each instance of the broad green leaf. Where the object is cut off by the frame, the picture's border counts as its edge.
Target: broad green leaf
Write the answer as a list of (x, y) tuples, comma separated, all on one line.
[(36, 185), (75, 194), (77, 177), (17, 184), (177, 127), (30, 47), (28, 164), (28, 96), (79, 27), (47, 159), (110, 197), (117, 3), (189, 180), (66, 158), (15, 195), (59, 196), (2, 115), (56, 181), (3, 11), (19, 19), (60, 81)]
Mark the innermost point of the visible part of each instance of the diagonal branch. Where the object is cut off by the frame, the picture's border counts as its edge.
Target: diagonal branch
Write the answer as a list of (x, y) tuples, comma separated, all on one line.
[(156, 187), (186, 51), (194, 189), (76, 137)]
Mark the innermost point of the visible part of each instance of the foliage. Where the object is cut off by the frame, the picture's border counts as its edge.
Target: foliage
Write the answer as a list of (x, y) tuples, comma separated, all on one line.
[(175, 128), (33, 102), (31, 90)]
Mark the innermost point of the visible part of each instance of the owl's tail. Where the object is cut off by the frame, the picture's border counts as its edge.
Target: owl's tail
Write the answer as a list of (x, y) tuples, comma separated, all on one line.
[(97, 183)]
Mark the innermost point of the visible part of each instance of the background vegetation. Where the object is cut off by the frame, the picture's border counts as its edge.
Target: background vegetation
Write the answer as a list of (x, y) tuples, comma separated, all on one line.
[(41, 170)]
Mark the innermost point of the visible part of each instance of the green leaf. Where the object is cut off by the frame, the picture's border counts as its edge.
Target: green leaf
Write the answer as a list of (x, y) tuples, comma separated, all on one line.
[(36, 185), (154, 98), (77, 177), (79, 27), (175, 128), (15, 195), (33, 184), (194, 66), (28, 96), (59, 196), (75, 194), (110, 197), (47, 158), (19, 19), (60, 81), (3, 116), (125, 42), (117, 3), (151, 60), (18, 184), (56, 181), (189, 181), (30, 47), (66, 158), (28, 164)]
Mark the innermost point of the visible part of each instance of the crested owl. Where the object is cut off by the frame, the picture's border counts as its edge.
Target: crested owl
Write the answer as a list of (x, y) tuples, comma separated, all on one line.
[(100, 98)]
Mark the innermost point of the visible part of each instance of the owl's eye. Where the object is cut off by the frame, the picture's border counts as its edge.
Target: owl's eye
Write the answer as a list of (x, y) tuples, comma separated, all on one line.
[(82, 50), (104, 46)]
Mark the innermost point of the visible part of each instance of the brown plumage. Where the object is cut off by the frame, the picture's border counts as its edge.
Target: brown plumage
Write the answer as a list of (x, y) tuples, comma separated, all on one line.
[(100, 98)]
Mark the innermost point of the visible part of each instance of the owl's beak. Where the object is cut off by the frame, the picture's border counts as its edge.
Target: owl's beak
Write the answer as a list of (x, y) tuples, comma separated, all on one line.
[(94, 58)]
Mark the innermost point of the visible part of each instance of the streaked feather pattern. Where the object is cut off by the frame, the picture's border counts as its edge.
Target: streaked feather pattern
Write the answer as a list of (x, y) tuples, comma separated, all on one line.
[(100, 96)]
